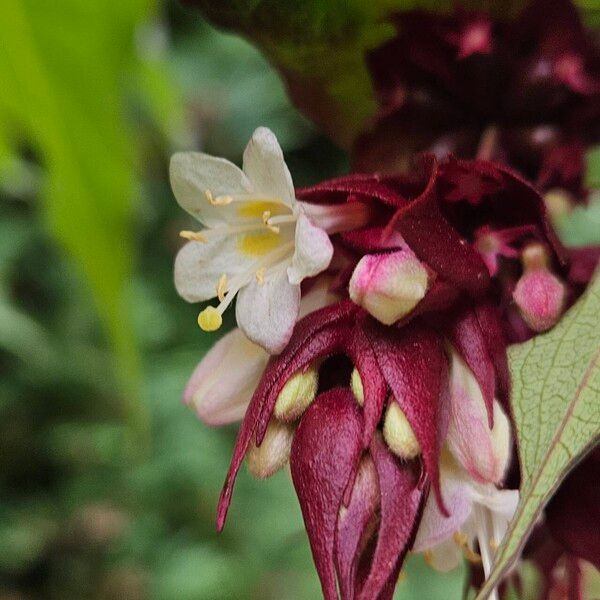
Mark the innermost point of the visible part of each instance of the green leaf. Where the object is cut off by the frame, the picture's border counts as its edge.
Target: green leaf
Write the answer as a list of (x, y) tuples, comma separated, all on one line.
[(63, 67), (556, 386)]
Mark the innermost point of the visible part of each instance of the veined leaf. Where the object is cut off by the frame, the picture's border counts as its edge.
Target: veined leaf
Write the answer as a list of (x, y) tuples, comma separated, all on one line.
[(556, 407)]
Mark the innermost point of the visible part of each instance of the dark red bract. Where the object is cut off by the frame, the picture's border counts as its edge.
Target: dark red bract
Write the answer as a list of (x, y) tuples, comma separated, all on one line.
[(524, 91)]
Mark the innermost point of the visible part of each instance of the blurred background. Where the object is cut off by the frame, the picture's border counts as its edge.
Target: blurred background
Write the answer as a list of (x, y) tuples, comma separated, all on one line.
[(108, 483)]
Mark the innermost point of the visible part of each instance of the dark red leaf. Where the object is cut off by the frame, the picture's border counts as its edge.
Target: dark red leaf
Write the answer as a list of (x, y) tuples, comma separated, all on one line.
[(414, 364), (325, 452)]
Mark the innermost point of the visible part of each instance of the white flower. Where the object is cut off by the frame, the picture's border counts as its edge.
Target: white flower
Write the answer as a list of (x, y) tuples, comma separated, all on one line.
[(479, 512), (257, 241), (224, 381)]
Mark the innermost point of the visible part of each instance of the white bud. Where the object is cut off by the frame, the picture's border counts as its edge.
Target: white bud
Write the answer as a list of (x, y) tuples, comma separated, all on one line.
[(297, 394), (398, 434), (274, 452), (388, 286)]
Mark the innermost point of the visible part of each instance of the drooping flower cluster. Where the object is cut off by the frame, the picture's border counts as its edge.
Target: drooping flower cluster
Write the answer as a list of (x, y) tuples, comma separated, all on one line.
[(379, 394), (524, 91)]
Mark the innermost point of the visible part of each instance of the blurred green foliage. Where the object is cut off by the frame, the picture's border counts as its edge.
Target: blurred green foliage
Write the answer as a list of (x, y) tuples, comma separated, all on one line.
[(94, 342)]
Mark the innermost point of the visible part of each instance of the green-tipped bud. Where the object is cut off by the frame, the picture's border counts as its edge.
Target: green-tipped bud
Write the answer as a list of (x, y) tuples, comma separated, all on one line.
[(398, 434), (274, 452), (297, 394), (357, 387)]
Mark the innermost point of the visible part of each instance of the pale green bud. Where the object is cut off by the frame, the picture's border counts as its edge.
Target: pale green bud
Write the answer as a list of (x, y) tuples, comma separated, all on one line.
[(398, 434), (274, 452), (297, 395)]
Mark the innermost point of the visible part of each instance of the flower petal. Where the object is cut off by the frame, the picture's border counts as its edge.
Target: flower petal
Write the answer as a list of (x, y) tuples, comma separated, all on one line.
[(222, 384), (435, 528), (325, 452), (401, 499), (266, 169), (199, 265), (192, 174), (313, 253), (468, 427), (267, 312)]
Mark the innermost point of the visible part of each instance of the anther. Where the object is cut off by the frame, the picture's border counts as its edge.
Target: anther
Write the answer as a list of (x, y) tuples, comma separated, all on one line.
[(194, 236), (222, 287), (221, 200), (210, 319), (260, 275)]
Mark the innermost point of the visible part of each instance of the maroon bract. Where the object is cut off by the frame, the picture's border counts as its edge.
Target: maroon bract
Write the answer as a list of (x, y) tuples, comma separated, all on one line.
[(523, 91)]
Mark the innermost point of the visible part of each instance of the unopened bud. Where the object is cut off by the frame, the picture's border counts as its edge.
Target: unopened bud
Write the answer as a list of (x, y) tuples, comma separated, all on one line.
[(388, 286), (398, 433), (297, 394), (539, 295), (274, 452), (357, 387), (482, 451)]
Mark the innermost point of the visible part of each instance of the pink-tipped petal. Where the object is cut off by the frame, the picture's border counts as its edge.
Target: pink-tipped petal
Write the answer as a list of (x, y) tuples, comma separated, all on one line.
[(325, 452), (465, 334), (222, 384)]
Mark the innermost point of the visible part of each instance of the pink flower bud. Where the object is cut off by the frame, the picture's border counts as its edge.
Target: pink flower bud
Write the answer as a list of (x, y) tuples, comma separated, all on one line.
[(388, 286), (482, 451), (539, 295)]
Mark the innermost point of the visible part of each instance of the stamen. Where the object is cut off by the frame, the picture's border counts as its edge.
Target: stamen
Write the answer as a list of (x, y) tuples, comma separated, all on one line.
[(260, 276), (222, 287), (222, 200), (428, 557), (209, 196), (194, 236), (210, 319)]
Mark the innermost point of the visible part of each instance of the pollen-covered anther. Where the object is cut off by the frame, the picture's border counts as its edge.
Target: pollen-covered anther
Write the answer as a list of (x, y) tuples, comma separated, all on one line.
[(357, 387), (260, 275), (222, 200), (398, 434), (193, 236), (274, 451), (222, 287), (539, 294), (297, 394), (390, 285), (210, 319)]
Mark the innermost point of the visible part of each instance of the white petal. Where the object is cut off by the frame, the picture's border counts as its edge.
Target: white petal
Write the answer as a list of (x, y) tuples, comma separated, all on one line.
[(468, 427), (199, 265), (267, 312), (318, 296), (225, 379), (313, 251), (435, 528), (192, 174), (266, 169)]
